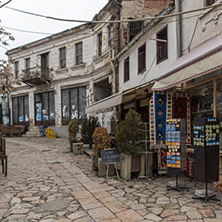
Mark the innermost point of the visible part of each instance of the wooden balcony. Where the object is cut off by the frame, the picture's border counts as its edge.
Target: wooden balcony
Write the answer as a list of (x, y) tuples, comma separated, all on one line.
[(36, 76)]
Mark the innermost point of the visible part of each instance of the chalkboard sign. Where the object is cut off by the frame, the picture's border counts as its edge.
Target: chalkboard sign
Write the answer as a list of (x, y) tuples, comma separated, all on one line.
[(110, 156)]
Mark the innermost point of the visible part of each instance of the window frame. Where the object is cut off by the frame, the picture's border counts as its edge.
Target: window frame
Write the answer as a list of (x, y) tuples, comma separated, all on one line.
[(79, 53), (16, 122), (45, 63), (126, 67), (16, 69), (132, 26), (142, 56), (100, 43), (110, 36), (49, 122), (65, 121), (27, 63), (62, 57), (160, 45)]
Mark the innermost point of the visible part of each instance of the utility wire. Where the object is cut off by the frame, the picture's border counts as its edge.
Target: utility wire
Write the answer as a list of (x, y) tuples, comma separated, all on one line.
[(115, 21), (32, 32)]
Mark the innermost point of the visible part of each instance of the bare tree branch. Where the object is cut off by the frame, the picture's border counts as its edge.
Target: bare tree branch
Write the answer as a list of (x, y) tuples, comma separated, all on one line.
[(5, 3)]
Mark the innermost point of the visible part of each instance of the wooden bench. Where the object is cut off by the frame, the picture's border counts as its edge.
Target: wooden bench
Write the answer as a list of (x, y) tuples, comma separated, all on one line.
[(12, 130)]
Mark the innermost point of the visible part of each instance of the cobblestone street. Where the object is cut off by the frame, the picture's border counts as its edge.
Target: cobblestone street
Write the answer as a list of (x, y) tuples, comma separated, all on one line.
[(47, 183)]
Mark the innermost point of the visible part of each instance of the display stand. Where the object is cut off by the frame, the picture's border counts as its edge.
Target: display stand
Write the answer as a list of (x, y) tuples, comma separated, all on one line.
[(206, 155), (176, 150), (146, 156)]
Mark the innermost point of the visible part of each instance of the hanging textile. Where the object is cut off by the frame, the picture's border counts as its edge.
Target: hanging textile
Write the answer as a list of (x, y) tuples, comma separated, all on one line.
[(182, 111)]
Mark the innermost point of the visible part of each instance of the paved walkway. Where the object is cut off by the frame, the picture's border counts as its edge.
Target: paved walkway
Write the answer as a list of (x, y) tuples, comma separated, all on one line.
[(47, 183)]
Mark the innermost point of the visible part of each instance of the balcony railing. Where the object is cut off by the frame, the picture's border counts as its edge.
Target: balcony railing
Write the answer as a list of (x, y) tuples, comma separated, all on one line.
[(36, 75)]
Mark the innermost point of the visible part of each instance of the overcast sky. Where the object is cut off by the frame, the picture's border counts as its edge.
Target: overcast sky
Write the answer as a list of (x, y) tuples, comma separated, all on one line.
[(69, 9)]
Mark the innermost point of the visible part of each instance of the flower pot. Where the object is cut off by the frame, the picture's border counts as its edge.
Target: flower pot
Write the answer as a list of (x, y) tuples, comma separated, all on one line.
[(76, 148), (100, 167), (131, 164)]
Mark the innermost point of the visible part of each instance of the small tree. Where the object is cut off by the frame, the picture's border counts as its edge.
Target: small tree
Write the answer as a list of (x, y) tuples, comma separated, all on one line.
[(129, 133), (88, 127), (101, 139), (73, 129)]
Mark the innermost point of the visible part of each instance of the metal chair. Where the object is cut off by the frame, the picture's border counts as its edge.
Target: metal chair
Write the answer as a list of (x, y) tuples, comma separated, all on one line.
[(3, 156)]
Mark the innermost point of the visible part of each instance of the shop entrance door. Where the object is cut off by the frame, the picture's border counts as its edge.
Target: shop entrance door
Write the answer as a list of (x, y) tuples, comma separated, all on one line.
[(38, 113)]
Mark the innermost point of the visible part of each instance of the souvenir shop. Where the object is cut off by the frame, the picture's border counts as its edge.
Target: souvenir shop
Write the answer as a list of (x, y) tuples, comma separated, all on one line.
[(192, 90)]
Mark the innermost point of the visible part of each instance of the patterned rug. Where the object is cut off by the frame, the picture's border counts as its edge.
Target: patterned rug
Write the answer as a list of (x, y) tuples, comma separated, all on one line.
[(160, 116), (182, 110), (162, 165), (160, 109)]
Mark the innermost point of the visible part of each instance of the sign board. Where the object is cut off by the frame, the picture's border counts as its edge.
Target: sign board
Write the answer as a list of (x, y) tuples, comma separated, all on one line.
[(110, 156)]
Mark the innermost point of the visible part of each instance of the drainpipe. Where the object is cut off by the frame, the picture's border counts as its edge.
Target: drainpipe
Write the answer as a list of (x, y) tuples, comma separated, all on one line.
[(179, 30)]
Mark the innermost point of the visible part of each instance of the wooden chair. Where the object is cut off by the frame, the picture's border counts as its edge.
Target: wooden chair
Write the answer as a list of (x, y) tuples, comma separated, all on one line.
[(3, 156)]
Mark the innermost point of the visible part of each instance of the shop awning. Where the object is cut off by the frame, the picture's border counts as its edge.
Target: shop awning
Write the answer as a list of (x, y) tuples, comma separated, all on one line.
[(201, 61), (106, 103)]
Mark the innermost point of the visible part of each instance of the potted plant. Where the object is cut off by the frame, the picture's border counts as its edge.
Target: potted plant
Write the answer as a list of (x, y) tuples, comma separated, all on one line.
[(88, 127), (75, 145), (101, 140), (129, 135)]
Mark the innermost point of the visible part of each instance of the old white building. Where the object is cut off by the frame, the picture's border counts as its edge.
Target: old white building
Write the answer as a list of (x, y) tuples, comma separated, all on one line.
[(65, 72)]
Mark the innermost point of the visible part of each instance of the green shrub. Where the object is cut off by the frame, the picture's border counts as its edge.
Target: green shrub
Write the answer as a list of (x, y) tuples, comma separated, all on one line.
[(101, 139), (73, 129), (88, 127), (129, 134)]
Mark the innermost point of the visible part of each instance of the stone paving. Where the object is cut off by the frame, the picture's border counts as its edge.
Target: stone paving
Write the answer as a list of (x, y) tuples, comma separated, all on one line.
[(47, 183)]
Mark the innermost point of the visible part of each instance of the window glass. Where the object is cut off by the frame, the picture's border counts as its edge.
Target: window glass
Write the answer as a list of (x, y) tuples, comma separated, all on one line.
[(79, 53), (51, 106), (142, 59), (65, 104), (15, 110), (126, 69), (100, 44), (63, 58), (26, 101), (162, 48), (21, 110), (110, 36), (74, 103), (16, 70), (135, 28), (27, 63), (82, 102), (45, 106)]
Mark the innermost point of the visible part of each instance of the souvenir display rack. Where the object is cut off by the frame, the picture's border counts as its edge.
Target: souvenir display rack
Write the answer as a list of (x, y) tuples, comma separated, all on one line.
[(176, 150), (206, 153)]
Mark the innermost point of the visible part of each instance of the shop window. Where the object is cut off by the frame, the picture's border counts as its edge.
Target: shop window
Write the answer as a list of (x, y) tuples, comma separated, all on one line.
[(142, 59), (100, 44), (202, 101), (62, 53), (20, 110), (135, 28), (210, 2), (45, 108), (110, 36), (17, 70), (45, 64), (79, 53), (73, 104), (162, 46), (126, 70)]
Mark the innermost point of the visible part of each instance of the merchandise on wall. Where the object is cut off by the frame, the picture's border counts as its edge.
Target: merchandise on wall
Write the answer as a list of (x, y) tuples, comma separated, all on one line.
[(206, 149), (176, 146)]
